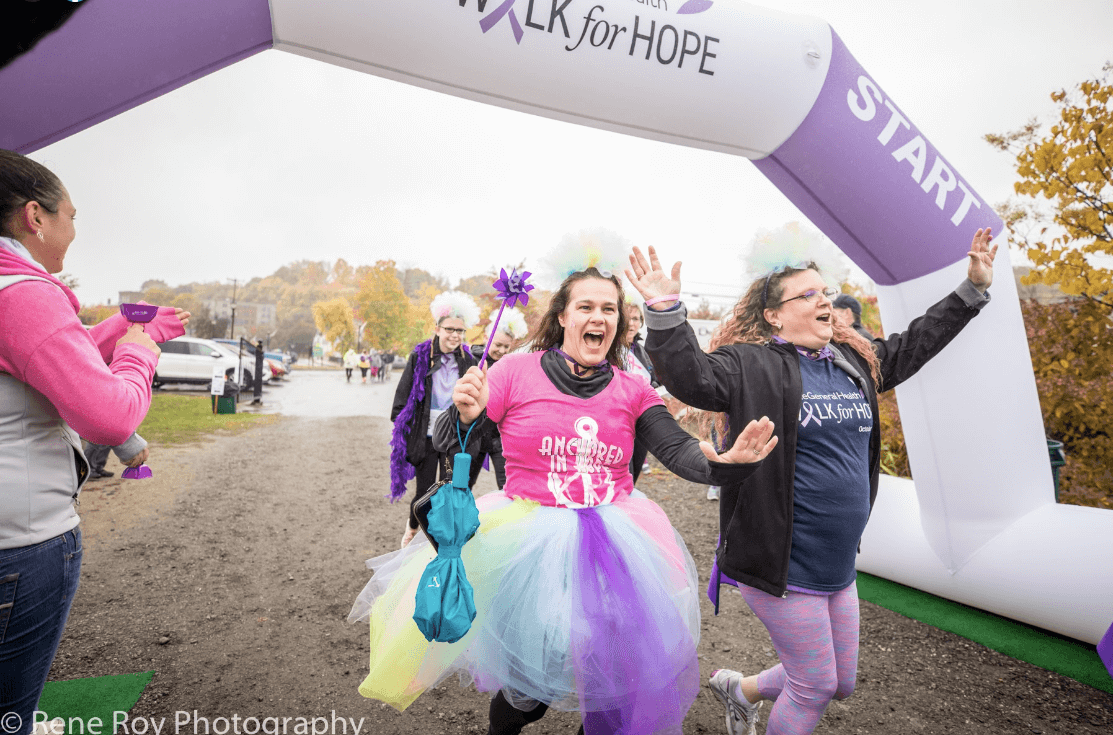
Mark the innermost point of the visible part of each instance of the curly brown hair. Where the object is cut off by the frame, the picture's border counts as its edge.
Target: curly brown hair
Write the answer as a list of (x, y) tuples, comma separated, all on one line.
[(550, 334), (746, 324)]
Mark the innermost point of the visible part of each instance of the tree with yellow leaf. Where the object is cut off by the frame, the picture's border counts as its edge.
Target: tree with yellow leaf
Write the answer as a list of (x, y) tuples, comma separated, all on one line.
[(383, 305), (1065, 222), (1072, 167), (335, 321)]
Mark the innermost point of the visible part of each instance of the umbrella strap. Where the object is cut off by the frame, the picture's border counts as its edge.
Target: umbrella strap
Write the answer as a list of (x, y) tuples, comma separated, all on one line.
[(461, 465)]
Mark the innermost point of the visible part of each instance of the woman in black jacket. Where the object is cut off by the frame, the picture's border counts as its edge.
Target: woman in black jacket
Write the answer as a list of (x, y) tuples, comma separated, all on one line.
[(425, 391), (789, 533)]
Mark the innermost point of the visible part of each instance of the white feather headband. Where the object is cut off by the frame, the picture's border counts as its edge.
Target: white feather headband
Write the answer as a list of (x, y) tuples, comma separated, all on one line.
[(597, 247), (513, 323), (456, 305), (792, 245)]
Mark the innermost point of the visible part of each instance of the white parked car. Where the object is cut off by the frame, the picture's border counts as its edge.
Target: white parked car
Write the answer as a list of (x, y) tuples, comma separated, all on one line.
[(246, 374), (190, 360)]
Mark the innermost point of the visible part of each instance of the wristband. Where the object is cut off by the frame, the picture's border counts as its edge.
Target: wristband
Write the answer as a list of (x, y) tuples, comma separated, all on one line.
[(659, 299)]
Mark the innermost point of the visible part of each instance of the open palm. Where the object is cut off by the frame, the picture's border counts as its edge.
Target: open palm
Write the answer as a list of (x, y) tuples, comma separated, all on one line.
[(649, 278), (753, 445), (980, 270)]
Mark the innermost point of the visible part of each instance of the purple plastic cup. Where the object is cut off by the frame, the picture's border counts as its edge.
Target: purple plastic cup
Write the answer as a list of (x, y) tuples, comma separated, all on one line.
[(139, 313), (142, 472)]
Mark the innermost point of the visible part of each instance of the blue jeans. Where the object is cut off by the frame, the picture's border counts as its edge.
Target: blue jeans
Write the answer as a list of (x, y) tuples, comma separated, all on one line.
[(37, 585)]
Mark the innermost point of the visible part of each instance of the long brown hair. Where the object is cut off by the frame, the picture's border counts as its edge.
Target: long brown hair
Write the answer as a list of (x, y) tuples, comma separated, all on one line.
[(550, 334), (746, 324)]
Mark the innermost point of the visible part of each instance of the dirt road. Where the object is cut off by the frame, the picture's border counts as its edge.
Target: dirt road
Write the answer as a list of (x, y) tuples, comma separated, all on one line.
[(232, 572)]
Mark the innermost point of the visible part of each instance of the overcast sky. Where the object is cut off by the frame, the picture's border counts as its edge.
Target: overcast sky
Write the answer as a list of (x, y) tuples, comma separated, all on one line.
[(280, 158)]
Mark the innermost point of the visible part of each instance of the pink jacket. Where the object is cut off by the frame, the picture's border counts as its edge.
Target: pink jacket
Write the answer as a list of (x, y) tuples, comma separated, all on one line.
[(101, 391)]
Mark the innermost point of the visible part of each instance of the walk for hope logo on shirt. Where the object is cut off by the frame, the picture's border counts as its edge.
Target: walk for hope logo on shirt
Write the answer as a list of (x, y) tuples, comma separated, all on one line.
[(580, 466), (835, 408)]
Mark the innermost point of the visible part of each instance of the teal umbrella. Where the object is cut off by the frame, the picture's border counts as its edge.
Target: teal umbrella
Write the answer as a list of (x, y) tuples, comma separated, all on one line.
[(445, 604)]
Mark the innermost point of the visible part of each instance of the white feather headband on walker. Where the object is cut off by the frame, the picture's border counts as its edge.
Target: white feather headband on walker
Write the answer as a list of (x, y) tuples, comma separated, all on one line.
[(456, 305), (513, 323), (596, 247)]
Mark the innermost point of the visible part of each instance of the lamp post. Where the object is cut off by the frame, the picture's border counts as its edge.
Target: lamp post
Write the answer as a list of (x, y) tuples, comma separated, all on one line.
[(232, 330)]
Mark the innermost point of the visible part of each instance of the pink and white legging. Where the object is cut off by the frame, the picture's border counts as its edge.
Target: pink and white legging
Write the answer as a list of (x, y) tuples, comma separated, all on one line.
[(816, 638)]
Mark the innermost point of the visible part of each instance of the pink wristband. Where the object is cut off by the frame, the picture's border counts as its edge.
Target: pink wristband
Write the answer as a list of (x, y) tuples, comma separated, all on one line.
[(659, 299)]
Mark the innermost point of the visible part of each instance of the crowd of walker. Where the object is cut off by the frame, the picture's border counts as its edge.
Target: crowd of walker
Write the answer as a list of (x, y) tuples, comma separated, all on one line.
[(585, 596), (377, 363)]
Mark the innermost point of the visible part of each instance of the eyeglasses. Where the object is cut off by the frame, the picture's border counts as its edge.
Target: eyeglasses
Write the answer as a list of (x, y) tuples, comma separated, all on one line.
[(811, 295), (454, 330)]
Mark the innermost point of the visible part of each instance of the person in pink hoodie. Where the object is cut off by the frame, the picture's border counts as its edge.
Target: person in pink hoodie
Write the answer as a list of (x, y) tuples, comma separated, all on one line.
[(58, 381)]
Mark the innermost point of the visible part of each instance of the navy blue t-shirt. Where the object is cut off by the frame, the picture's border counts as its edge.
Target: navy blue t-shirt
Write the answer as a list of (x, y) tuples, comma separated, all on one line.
[(831, 494)]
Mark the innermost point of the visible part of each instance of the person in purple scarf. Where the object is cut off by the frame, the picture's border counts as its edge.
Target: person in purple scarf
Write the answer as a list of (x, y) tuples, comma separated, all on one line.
[(789, 532), (424, 392)]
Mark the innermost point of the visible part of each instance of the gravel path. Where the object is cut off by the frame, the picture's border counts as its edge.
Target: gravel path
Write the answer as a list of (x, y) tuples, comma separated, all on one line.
[(232, 572)]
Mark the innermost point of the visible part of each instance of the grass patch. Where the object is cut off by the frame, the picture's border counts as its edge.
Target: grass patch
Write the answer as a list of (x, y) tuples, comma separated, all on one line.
[(100, 697), (1042, 648), (175, 419)]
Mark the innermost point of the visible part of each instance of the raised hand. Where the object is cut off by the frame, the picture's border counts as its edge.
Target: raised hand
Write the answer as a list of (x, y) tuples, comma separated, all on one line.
[(183, 315), (470, 394), (650, 279), (753, 445), (980, 271)]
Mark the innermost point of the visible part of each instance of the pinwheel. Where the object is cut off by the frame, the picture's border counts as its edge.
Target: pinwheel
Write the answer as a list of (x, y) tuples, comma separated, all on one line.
[(512, 290)]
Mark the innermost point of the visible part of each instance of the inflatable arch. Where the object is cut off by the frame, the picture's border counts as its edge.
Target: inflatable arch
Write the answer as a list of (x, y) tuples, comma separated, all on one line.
[(980, 526)]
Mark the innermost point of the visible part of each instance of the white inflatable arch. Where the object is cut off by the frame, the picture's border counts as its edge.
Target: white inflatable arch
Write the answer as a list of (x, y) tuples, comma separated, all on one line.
[(980, 526)]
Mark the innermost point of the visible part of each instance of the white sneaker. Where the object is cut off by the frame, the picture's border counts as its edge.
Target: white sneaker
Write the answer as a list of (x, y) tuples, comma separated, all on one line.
[(57, 726), (712, 492), (741, 715)]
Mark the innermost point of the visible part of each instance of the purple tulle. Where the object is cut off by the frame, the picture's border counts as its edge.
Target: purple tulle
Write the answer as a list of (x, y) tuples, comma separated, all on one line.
[(401, 471), (642, 681)]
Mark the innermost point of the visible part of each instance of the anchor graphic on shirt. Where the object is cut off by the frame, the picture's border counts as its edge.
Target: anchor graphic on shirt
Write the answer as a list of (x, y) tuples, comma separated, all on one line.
[(435, 583), (588, 430)]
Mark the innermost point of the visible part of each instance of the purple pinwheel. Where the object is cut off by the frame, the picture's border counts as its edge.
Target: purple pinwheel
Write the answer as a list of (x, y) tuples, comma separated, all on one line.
[(512, 290)]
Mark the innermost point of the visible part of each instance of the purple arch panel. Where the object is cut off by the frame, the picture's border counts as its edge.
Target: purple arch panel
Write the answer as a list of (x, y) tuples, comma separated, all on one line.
[(862, 172), (117, 54)]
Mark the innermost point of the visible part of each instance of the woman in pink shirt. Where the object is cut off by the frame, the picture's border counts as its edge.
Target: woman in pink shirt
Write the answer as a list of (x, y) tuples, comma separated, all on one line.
[(585, 596), (58, 381)]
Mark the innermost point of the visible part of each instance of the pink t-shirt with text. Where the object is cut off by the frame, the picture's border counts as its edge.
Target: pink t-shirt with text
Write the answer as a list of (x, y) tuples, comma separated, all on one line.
[(562, 450)]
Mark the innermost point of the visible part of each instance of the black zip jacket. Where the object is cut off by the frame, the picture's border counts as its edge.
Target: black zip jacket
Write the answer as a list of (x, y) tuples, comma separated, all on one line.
[(415, 440), (750, 381)]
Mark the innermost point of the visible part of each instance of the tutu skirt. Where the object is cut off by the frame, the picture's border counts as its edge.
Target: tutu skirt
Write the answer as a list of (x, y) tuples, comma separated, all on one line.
[(592, 609)]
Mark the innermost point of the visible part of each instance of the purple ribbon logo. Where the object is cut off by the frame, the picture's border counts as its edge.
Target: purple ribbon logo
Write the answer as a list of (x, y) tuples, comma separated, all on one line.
[(811, 416), (506, 9)]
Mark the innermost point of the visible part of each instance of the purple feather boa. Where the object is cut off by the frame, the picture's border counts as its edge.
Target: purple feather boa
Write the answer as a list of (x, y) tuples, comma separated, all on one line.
[(402, 471)]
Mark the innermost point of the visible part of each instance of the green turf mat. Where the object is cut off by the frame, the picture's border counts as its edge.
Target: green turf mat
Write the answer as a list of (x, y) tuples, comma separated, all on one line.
[(99, 696), (1041, 648)]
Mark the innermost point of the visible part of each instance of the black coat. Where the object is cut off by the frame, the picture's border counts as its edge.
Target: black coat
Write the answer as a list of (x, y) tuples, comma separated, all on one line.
[(415, 440), (749, 381)]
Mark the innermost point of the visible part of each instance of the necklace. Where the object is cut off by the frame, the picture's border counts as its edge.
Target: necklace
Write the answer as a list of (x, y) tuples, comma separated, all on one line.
[(577, 368)]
